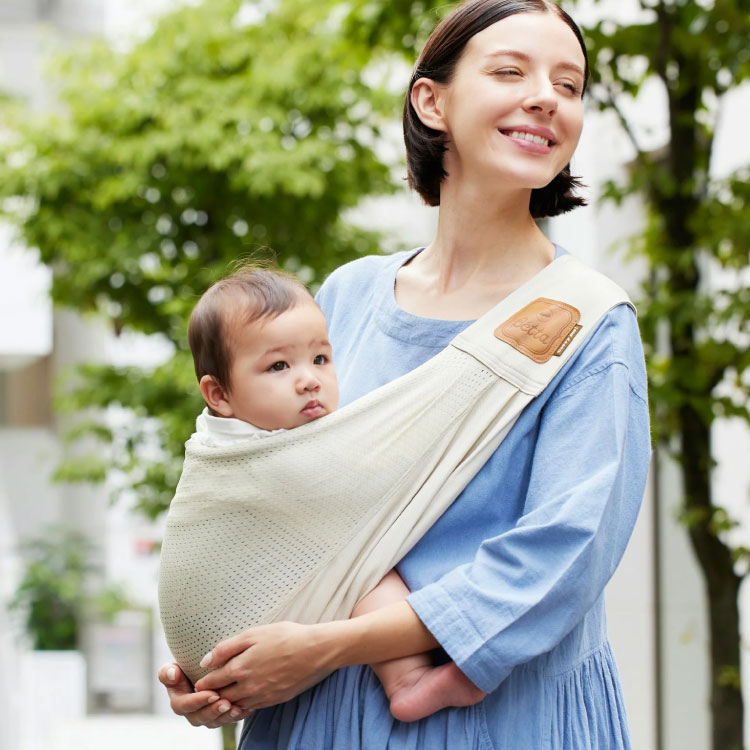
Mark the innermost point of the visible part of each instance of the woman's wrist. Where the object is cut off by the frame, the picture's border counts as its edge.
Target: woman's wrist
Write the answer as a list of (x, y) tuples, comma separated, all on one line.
[(386, 633)]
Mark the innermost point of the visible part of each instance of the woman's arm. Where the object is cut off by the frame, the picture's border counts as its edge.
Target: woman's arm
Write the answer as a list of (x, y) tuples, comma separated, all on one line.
[(529, 586), (271, 664)]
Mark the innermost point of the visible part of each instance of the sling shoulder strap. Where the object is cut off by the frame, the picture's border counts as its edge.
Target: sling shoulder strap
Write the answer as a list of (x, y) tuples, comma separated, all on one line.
[(529, 335)]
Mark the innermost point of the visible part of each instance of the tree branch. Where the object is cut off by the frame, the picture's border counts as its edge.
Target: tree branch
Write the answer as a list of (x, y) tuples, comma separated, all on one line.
[(660, 61), (611, 103)]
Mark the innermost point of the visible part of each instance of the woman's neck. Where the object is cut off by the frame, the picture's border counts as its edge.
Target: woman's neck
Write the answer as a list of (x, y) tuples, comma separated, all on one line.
[(483, 250), (493, 240)]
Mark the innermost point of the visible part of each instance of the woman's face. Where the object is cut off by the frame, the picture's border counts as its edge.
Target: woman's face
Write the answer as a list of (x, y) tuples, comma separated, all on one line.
[(513, 111)]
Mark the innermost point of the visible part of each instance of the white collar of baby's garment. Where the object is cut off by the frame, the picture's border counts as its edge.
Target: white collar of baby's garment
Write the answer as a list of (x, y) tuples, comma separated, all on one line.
[(228, 428)]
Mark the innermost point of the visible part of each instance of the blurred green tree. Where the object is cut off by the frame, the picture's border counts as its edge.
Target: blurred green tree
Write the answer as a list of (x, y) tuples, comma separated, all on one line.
[(234, 126), (695, 316)]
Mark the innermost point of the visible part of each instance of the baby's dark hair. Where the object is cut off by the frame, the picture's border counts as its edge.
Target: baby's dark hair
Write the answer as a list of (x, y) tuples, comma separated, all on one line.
[(249, 294)]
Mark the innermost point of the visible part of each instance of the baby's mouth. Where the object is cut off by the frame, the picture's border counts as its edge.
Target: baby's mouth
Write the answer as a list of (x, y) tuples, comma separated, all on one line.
[(312, 406)]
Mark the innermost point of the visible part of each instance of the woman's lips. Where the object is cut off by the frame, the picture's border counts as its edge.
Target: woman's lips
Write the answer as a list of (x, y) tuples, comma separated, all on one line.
[(534, 140)]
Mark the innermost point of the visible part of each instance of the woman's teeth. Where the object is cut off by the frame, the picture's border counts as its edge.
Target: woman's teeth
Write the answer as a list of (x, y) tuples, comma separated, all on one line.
[(528, 137)]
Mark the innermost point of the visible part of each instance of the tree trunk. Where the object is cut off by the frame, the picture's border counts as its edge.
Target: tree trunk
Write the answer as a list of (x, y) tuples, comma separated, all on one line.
[(687, 159), (726, 697), (228, 741), (722, 585)]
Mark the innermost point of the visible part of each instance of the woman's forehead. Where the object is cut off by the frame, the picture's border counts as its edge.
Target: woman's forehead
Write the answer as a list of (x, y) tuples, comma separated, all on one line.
[(531, 34)]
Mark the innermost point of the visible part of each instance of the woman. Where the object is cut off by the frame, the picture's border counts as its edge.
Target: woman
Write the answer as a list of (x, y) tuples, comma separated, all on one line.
[(508, 583)]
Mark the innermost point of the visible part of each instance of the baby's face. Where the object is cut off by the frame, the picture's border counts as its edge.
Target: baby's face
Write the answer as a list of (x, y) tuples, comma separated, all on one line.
[(282, 373)]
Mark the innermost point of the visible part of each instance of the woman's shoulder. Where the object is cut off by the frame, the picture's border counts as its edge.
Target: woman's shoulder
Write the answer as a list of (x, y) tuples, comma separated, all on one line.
[(356, 280), (615, 342), (362, 270)]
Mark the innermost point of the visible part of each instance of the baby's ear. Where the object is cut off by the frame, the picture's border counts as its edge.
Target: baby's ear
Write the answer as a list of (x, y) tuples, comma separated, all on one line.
[(215, 396)]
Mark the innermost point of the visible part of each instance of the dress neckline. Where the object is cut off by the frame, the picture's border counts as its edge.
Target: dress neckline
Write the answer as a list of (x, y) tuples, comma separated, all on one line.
[(397, 323)]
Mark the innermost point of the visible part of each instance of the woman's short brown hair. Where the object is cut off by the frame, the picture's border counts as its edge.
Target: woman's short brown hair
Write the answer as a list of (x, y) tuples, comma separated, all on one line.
[(249, 294), (425, 147)]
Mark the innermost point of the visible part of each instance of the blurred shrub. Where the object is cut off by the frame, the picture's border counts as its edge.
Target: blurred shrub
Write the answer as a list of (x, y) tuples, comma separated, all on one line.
[(54, 594)]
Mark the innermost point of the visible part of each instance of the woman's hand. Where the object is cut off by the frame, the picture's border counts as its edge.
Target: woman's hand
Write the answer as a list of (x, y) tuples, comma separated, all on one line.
[(202, 709), (269, 664)]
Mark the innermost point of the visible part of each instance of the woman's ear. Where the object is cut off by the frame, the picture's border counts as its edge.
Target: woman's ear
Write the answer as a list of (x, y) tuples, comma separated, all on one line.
[(215, 396), (427, 98)]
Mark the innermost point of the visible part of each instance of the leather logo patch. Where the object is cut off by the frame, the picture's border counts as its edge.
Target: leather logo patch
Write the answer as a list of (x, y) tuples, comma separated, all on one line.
[(542, 329)]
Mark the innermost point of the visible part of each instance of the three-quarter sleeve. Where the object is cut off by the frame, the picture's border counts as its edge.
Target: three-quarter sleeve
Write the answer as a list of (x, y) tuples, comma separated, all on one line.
[(530, 585)]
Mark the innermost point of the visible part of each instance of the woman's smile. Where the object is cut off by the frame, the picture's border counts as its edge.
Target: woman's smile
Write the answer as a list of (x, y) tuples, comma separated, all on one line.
[(531, 138)]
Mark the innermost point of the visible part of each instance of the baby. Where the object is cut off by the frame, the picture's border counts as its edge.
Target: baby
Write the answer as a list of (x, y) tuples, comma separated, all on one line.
[(264, 363)]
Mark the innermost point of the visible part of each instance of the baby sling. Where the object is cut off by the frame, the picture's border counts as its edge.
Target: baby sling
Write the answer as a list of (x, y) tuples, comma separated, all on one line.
[(299, 525)]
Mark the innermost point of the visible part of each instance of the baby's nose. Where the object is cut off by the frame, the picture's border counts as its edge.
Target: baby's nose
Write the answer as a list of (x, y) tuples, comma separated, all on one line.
[(308, 382)]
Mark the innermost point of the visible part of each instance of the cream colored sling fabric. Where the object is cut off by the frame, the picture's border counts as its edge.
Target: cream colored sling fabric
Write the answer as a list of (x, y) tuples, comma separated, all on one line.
[(301, 524)]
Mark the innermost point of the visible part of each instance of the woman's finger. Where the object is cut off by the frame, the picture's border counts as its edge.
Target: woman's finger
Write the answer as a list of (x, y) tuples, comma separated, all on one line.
[(187, 705), (218, 679), (234, 714), (242, 695), (222, 652), (217, 715), (199, 708), (278, 662), (171, 676)]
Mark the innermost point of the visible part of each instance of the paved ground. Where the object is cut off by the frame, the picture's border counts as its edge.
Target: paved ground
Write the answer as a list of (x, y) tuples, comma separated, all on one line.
[(133, 733)]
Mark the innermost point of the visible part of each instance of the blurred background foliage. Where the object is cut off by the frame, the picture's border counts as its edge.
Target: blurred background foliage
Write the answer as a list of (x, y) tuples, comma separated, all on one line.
[(51, 594), (695, 309), (55, 595), (232, 128)]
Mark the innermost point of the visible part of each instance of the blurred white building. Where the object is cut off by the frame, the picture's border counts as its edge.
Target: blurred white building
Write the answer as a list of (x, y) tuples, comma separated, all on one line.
[(655, 602)]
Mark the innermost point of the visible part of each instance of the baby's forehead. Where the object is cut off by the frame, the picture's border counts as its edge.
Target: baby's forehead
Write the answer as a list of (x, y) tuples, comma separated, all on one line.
[(241, 315), (244, 320)]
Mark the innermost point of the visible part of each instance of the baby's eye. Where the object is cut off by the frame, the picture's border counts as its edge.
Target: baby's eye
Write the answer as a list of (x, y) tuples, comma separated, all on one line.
[(278, 366), (321, 359)]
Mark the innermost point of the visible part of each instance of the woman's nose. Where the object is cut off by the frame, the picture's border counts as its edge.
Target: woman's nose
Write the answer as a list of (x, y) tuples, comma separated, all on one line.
[(541, 98)]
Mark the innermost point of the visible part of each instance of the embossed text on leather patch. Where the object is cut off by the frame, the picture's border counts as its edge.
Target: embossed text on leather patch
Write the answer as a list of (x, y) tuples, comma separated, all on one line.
[(542, 329)]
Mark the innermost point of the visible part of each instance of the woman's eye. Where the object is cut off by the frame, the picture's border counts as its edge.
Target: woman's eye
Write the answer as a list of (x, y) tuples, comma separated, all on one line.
[(278, 366), (571, 87), (321, 359), (508, 72)]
